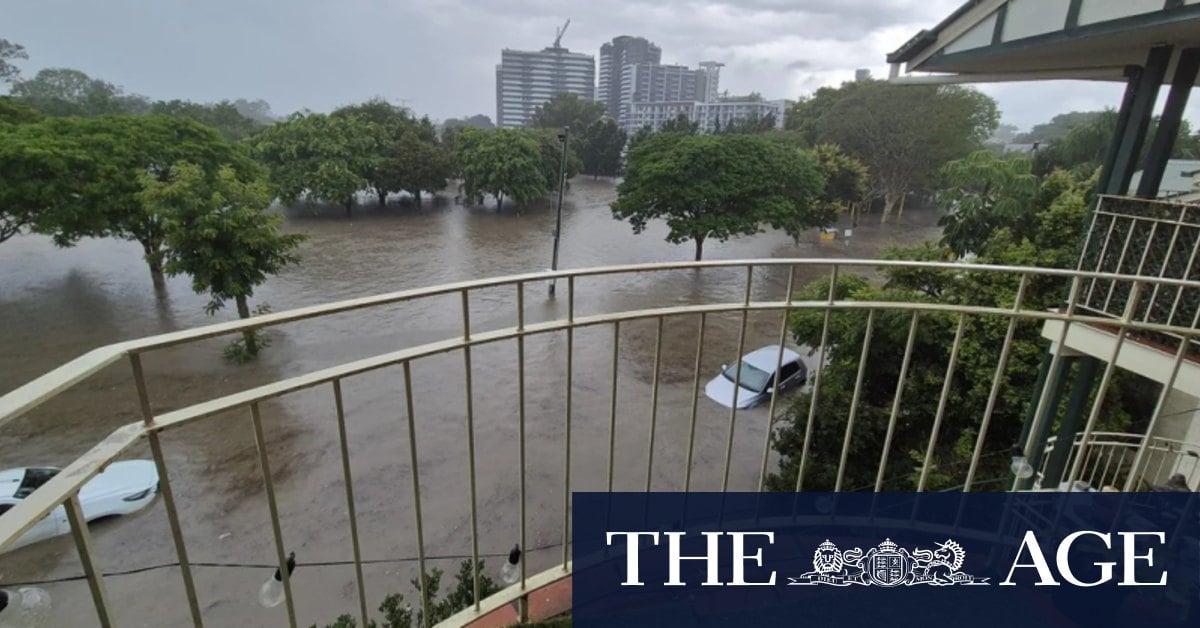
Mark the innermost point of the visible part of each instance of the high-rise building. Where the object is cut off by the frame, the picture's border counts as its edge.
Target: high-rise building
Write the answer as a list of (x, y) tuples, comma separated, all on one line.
[(710, 85), (648, 82), (862, 74), (614, 56), (525, 80)]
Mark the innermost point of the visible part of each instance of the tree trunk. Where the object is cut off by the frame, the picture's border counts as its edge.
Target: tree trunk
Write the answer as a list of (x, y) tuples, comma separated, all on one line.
[(499, 202), (889, 204), (900, 212), (383, 199), (154, 259), (350, 207), (699, 247), (417, 194), (243, 310)]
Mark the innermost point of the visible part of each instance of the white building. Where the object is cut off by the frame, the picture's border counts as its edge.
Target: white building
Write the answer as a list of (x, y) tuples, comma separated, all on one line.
[(711, 116), (525, 80)]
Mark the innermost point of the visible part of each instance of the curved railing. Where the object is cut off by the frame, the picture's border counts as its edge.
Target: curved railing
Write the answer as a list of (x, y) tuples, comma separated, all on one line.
[(1109, 460), (767, 288)]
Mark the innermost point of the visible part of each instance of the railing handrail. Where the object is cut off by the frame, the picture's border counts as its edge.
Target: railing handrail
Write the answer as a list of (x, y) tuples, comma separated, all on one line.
[(21, 400)]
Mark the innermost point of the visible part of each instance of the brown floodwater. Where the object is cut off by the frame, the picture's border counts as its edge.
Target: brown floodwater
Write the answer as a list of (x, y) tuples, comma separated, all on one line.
[(56, 304)]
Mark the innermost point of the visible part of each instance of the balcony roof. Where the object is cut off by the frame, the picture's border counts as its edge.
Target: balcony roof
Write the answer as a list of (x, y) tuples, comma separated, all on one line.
[(1059, 39)]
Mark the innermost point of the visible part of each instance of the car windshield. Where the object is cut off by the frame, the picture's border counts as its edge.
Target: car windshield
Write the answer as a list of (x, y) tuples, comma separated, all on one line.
[(753, 378), (33, 480)]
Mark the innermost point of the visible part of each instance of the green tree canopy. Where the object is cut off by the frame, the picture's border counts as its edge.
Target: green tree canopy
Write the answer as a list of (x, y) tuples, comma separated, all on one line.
[(903, 134), (600, 148), (510, 163), (1058, 127), (1083, 148), (222, 116), (845, 180), (478, 121), (681, 125), (567, 109), (319, 157), (68, 92), (983, 193), (219, 233), (13, 111), (106, 158), (8, 52), (718, 186)]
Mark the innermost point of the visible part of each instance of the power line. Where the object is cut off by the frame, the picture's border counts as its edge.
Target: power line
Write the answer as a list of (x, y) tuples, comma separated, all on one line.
[(224, 565)]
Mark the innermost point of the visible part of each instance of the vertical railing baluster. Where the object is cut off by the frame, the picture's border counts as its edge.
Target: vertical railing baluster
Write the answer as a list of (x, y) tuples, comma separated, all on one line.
[(941, 409), (653, 406), (1100, 260), (1055, 361), (466, 321), (523, 607), (737, 378), (343, 442), (566, 534), (83, 544), (612, 409), (858, 381), (891, 429), (264, 465), (416, 485), (816, 390), (165, 491), (994, 395), (1179, 291), (687, 475), (1106, 379), (783, 329)]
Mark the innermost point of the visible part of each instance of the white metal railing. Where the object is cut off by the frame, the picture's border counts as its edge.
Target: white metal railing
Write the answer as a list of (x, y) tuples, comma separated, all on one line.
[(63, 489), (1108, 461)]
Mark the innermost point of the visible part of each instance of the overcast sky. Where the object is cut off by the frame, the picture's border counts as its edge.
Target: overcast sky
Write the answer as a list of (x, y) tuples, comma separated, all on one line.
[(438, 56)]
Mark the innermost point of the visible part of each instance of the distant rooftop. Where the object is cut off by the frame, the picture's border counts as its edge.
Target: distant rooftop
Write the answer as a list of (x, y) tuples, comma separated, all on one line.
[(1180, 178)]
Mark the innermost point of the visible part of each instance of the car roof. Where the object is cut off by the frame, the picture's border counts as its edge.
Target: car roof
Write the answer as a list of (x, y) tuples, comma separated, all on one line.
[(10, 481), (766, 357)]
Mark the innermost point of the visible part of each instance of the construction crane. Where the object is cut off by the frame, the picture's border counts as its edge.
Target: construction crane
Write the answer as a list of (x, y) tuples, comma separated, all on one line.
[(558, 33)]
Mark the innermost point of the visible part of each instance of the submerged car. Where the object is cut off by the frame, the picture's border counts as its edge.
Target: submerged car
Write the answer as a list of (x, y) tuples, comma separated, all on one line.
[(122, 488), (758, 378)]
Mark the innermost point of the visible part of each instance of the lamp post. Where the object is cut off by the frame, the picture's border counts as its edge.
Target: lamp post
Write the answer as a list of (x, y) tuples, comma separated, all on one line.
[(562, 183)]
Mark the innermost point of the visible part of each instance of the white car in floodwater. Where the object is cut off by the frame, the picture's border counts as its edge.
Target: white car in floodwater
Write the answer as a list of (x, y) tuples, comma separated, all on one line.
[(758, 378), (122, 488)]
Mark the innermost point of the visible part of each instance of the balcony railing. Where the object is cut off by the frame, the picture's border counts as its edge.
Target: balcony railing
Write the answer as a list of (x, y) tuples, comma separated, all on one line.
[(1133, 236), (1108, 461), (676, 302)]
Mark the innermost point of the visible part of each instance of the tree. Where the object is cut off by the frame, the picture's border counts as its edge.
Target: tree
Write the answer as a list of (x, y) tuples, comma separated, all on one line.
[(1058, 127), (219, 234), (845, 181), (681, 125), (478, 121), (415, 163), (13, 111), (504, 162), (983, 193), (718, 187), (41, 175), (903, 134), (567, 109), (753, 123), (1051, 242), (222, 116), (106, 158), (601, 148), (319, 157), (551, 163), (8, 52), (67, 92), (257, 110), (638, 137), (1083, 148)]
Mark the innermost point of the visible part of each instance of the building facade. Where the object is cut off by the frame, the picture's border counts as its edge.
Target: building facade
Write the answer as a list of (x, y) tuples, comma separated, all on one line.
[(614, 56), (710, 116), (525, 80), (653, 83)]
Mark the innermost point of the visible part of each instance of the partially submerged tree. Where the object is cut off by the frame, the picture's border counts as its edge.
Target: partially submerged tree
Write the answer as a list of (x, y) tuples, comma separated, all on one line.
[(318, 157), (601, 147), (219, 233), (719, 187), (567, 109), (504, 163)]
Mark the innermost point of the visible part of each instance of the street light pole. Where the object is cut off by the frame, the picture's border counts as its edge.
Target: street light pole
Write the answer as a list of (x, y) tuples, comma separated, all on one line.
[(562, 183)]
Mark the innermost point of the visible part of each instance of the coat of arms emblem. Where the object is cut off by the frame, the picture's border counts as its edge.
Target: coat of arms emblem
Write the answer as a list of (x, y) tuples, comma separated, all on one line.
[(888, 565)]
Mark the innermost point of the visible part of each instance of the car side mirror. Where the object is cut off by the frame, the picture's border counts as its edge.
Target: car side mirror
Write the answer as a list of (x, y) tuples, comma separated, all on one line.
[(724, 366), (771, 391)]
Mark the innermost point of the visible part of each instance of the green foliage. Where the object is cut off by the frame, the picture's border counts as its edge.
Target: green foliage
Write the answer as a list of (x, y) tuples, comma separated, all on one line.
[(8, 52), (845, 180), (639, 136), (223, 116), (397, 614), (552, 153), (718, 187), (511, 163), (1049, 241), (404, 152), (67, 92), (983, 193), (751, 124), (318, 157), (1083, 148), (567, 109), (601, 147), (478, 121), (903, 134), (1058, 127), (13, 111), (680, 125)]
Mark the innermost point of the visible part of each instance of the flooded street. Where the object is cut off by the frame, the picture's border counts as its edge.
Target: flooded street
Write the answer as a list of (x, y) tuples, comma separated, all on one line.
[(57, 304)]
